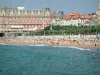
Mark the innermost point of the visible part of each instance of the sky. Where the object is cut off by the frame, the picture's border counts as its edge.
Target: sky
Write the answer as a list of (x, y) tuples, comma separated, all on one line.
[(81, 6)]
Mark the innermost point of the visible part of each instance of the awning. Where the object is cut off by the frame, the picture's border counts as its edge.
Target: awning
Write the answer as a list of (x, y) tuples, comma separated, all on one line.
[(16, 26)]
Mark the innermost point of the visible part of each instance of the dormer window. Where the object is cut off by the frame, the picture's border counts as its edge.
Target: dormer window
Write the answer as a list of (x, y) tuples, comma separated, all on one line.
[(32, 13), (11, 12), (3, 12), (25, 11), (39, 12), (47, 13)]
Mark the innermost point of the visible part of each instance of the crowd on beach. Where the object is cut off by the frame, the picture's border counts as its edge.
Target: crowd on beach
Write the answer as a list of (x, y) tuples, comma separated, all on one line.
[(72, 40)]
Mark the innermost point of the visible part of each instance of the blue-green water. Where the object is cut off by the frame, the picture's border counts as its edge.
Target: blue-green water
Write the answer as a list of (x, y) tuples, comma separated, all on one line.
[(48, 60)]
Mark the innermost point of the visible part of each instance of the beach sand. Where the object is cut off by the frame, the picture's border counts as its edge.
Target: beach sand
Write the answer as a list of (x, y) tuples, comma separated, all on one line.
[(82, 43)]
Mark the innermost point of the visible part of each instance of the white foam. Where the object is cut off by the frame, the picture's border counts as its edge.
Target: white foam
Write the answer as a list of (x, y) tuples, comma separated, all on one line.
[(37, 45), (59, 46), (78, 48), (47, 45), (31, 45), (73, 47), (3, 44), (16, 44)]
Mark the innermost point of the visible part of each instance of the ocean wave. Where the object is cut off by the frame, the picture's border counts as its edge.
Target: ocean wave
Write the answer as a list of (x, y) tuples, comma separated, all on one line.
[(78, 48), (73, 47), (3, 44), (46, 45), (59, 46), (23, 44), (37, 45)]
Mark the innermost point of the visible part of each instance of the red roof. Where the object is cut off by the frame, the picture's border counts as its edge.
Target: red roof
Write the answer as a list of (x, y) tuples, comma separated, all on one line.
[(82, 16), (90, 17), (68, 16), (76, 15)]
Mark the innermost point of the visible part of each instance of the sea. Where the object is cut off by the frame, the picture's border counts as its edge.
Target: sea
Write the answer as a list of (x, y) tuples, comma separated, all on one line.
[(20, 59)]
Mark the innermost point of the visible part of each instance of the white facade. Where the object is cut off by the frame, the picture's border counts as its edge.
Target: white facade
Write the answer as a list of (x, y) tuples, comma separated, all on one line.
[(73, 22), (21, 8)]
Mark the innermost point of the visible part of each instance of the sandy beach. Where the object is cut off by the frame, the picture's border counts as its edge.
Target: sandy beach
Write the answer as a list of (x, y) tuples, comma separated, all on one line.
[(83, 42)]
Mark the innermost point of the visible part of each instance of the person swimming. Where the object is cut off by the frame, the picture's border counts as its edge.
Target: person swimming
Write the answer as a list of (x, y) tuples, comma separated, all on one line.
[(93, 56)]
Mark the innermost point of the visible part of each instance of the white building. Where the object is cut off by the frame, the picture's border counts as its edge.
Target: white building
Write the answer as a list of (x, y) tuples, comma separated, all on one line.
[(74, 19)]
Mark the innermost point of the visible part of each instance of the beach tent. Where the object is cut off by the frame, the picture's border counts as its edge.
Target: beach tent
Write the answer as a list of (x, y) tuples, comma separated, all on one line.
[(98, 36)]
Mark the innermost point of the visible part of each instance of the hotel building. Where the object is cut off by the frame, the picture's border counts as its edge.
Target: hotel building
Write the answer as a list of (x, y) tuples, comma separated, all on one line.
[(18, 20)]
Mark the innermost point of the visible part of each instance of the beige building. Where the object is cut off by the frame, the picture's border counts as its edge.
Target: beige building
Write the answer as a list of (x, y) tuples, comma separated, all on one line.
[(18, 20)]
